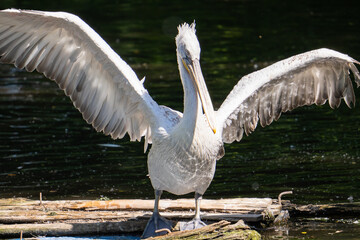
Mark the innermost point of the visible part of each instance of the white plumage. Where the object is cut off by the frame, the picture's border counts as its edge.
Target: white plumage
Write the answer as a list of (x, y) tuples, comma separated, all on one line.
[(185, 146)]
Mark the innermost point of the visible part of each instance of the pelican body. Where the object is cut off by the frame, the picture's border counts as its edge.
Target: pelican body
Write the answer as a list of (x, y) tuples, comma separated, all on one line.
[(185, 146), (179, 162)]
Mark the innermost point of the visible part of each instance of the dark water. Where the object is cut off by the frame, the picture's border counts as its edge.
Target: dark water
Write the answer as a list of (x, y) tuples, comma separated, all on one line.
[(45, 146)]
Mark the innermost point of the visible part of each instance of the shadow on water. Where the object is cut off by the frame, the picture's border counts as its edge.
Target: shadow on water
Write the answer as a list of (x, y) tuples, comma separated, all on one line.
[(45, 146)]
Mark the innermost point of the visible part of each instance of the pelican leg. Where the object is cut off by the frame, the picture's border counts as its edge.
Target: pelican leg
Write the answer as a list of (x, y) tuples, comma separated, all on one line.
[(156, 221), (196, 222)]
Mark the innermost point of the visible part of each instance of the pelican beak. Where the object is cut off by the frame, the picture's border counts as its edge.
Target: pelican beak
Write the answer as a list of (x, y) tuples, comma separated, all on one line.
[(196, 74)]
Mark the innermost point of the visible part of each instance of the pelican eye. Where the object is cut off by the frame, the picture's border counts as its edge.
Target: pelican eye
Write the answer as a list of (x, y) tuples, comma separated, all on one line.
[(188, 60), (187, 53)]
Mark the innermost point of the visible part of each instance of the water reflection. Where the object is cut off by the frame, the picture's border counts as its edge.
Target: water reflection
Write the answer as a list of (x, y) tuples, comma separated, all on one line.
[(45, 145)]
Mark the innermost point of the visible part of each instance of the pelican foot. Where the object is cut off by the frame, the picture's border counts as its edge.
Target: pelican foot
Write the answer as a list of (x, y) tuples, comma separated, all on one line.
[(193, 224), (157, 226)]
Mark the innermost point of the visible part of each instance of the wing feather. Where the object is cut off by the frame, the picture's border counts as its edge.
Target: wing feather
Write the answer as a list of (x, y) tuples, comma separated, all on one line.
[(65, 49), (309, 78)]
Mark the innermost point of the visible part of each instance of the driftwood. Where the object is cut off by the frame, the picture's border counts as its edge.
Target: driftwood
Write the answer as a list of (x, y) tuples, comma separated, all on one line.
[(220, 230), (239, 205), (55, 218)]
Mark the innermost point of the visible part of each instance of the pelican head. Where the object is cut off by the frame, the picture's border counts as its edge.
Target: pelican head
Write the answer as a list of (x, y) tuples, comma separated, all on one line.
[(188, 53)]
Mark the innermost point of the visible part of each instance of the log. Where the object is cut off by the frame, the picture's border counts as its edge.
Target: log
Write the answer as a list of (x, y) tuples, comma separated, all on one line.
[(241, 205), (223, 205)]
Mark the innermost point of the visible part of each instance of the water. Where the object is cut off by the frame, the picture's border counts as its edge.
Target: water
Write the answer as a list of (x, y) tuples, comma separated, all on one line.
[(45, 146)]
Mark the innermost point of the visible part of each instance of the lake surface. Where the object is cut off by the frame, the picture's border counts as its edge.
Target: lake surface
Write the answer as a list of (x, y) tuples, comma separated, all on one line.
[(46, 146)]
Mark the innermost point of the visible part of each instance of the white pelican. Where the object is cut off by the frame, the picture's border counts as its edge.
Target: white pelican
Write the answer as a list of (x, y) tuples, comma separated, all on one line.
[(185, 146)]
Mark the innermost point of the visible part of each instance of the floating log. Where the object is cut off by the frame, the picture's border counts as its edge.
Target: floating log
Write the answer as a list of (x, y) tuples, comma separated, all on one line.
[(222, 205), (60, 218), (240, 205)]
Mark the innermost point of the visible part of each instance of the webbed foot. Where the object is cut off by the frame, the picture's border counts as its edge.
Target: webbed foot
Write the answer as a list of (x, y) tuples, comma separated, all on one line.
[(193, 224), (156, 223)]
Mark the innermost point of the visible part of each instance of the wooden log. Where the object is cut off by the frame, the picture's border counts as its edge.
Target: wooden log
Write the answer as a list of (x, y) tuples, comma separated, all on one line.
[(236, 204), (241, 205)]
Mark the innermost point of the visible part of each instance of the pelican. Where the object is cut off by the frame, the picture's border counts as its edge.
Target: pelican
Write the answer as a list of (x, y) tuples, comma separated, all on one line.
[(187, 145)]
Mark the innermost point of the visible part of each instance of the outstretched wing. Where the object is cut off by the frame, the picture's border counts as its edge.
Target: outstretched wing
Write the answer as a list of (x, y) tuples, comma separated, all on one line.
[(304, 79), (65, 49)]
